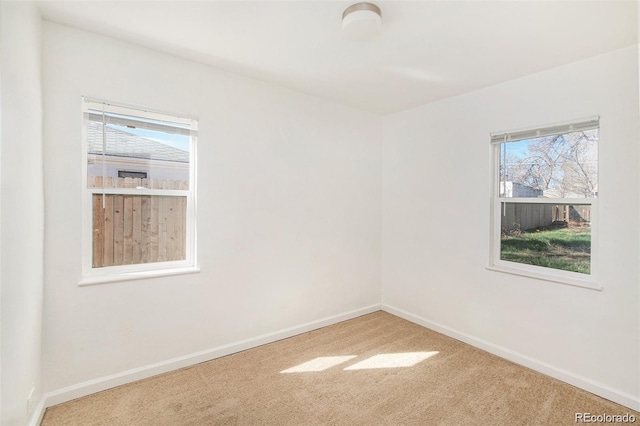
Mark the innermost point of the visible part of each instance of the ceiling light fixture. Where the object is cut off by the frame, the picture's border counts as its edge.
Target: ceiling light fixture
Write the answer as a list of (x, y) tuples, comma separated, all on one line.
[(361, 21)]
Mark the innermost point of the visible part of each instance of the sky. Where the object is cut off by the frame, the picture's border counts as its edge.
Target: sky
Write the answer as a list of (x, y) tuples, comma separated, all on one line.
[(180, 142)]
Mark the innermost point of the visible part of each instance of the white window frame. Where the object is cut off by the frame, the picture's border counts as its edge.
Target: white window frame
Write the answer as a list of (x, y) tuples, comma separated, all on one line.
[(532, 271), (91, 275)]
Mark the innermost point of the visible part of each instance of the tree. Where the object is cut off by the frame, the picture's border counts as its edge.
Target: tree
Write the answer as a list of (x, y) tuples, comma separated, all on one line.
[(580, 168), (566, 164)]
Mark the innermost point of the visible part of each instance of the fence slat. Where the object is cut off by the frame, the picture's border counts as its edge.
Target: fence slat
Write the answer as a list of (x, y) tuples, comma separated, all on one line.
[(137, 230), (108, 230), (145, 218), (153, 229), (162, 229), (180, 250), (127, 229), (171, 228), (118, 229), (98, 232), (127, 223)]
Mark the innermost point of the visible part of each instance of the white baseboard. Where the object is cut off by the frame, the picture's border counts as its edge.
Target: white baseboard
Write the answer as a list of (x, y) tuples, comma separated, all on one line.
[(38, 413), (103, 383), (585, 383)]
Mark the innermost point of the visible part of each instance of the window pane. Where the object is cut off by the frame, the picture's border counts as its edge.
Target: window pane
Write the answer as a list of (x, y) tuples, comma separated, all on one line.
[(551, 235), (154, 159), (557, 166), (136, 229)]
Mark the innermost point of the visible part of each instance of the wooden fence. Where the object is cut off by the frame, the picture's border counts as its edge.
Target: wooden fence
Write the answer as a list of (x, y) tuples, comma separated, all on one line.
[(134, 229), (531, 216)]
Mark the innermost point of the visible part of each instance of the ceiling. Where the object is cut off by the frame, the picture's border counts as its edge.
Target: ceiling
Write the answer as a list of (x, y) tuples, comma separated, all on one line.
[(427, 51)]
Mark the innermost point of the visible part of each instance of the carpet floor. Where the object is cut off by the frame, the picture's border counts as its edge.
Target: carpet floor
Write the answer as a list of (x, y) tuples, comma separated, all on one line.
[(377, 369)]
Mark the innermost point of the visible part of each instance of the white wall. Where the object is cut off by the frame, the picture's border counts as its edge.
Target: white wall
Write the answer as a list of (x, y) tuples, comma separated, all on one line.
[(1, 108), (288, 211), (435, 221), (22, 208)]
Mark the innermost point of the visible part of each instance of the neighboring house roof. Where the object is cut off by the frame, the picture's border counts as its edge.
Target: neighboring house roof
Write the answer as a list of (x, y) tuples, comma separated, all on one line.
[(125, 144)]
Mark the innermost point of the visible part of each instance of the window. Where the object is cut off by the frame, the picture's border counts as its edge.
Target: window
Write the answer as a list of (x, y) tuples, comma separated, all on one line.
[(545, 188), (139, 193), (131, 174)]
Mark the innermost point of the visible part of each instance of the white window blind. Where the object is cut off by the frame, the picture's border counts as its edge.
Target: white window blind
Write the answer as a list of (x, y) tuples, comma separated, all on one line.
[(113, 114), (580, 125)]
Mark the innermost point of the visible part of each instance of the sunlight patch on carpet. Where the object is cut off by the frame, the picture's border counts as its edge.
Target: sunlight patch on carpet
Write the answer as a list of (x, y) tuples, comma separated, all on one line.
[(319, 364), (406, 359)]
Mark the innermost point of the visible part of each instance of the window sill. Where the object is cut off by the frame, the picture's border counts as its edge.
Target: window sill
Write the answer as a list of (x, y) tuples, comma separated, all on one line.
[(138, 275), (587, 283)]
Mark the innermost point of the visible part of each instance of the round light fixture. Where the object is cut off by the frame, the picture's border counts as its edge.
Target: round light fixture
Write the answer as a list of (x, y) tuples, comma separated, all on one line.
[(361, 21)]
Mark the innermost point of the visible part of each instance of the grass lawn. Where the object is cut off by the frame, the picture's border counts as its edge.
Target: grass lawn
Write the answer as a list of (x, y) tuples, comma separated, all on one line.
[(568, 248)]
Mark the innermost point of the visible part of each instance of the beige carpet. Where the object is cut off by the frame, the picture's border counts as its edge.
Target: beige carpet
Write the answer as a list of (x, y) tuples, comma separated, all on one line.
[(390, 375)]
